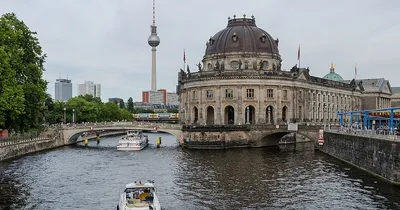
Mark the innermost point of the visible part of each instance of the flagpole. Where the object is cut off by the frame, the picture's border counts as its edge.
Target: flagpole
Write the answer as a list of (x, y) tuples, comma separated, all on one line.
[(298, 56), (355, 70), (184, 60)]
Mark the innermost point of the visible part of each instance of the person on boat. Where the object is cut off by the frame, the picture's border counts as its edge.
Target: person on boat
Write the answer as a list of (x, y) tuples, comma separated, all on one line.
[(144, 194)]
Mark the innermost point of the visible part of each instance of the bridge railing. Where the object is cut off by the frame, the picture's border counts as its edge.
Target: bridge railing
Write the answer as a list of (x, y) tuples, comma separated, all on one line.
[(379, 134), (123, 124), (22, 138)]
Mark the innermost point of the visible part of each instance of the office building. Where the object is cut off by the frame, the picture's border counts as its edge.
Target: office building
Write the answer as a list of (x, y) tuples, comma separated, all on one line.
[(63, 90), (88, 87)]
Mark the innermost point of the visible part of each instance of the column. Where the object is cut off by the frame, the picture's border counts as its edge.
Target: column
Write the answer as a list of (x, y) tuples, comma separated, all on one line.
[(238, 111), (278, 109), (218, 110), (202, 121)]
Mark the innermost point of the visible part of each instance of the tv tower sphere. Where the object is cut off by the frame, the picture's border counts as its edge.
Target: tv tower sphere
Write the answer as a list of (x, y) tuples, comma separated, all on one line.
[(154, 40)]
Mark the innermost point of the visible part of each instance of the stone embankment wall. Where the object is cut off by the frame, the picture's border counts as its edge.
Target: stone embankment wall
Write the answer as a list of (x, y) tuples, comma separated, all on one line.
[(48, 140), (377, 156)]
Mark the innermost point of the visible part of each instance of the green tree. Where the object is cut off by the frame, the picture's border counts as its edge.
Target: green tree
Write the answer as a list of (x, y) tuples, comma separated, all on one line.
[(122, 104), (22, 89), (91, 98), (130, 105)]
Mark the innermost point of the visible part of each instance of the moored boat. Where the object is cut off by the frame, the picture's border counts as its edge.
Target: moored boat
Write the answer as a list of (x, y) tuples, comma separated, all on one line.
[(133, 141), (139, 196)]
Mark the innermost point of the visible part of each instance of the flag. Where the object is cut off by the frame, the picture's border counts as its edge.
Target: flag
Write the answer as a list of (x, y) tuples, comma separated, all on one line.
[(184, 56), (298, 53)]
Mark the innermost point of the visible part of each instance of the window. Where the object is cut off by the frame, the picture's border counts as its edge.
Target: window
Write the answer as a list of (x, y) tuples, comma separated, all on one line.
[(270, 93), (194, 95), (228, 93), (285, 94), (210, 94), (250, 93), (300, 95)]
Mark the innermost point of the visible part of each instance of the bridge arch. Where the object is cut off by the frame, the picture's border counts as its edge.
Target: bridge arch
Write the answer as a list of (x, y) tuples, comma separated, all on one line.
[(272, 139), (71, 136)]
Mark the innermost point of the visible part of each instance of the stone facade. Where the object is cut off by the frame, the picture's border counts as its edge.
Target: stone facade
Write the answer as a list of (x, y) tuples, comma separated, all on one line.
[(254, 98), (240, 81)]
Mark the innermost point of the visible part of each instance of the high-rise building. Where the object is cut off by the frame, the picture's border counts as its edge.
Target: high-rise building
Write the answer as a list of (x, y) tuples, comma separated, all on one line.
[(88, 87), (160, 96), (63, 90), (153, 97), (153, 41), (172, 99)]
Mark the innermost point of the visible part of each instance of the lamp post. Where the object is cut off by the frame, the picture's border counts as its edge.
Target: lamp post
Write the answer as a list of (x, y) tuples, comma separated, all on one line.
[(64, 114), (73, 116)]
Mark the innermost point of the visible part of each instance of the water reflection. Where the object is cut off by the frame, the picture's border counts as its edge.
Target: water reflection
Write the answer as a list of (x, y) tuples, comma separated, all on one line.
[(271, 179), (266, 178)]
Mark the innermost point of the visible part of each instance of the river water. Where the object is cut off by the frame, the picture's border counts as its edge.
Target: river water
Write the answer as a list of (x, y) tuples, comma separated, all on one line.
[(92, 177)]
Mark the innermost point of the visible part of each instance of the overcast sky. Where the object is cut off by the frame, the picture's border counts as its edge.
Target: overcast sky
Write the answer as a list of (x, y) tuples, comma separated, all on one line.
[(105, 41)]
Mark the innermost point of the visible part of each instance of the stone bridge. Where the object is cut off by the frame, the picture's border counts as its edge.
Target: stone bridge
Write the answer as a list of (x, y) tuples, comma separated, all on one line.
[(227, 136), (200, 137), (71, 134)]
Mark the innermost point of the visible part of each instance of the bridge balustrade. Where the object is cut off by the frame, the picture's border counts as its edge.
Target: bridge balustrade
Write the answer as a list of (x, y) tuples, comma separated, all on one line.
[(378, 134), (123, 124)]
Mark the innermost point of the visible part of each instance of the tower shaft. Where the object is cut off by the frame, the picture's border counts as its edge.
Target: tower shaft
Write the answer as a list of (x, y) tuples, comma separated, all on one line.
[(153, 69)]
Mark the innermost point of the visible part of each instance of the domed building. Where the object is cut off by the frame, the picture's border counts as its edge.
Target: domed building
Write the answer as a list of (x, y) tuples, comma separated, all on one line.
[(333, 76), (240, 81)]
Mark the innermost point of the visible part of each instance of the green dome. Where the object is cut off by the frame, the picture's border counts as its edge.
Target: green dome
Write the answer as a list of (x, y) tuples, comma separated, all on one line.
[(333, 76)]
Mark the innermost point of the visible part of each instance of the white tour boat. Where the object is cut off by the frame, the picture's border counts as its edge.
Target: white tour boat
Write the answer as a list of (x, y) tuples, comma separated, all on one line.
[(139, 196), (134, 140)]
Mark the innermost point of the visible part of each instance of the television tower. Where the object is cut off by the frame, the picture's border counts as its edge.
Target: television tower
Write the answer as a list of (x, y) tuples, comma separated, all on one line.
[(153, 41)]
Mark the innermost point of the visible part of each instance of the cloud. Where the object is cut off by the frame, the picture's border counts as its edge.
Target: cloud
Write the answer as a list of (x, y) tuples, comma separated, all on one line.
[(106, 41)]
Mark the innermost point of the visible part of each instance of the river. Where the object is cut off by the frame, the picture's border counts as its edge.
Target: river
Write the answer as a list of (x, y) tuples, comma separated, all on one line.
[(78, 177)]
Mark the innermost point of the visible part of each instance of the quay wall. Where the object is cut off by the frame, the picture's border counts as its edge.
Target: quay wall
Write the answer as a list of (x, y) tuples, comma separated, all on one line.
[(54, 140), (379, 157)]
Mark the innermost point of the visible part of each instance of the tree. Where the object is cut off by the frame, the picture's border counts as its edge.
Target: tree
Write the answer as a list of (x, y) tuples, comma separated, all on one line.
[(130, 106), (122, 104), (22, 89), (91, 98)]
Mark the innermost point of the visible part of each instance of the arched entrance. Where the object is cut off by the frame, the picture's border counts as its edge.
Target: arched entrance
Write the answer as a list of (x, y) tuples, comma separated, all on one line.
[(195, 115), (210, 115), (269, 115), (229, 115), (250, 115), (284, 114)]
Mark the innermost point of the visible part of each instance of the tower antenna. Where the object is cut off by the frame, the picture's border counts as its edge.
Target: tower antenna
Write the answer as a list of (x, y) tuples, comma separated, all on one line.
[(154, 12), (153, 41)]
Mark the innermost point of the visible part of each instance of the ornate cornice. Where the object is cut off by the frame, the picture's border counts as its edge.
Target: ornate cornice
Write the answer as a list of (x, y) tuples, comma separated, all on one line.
[(197, 77)]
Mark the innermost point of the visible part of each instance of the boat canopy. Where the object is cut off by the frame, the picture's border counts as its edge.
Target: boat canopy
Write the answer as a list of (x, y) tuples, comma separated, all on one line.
[(139, 185)]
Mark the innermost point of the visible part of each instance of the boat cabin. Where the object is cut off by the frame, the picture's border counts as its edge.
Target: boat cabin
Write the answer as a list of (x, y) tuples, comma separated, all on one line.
[(134, 133), (139, 195)]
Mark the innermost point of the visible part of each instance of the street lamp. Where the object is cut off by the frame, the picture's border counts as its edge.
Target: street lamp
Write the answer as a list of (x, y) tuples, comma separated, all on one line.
[(64, 114), (73, 116)]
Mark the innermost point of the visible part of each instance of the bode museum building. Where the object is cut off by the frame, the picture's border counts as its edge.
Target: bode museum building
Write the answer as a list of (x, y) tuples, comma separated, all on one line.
[(240, 81)]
